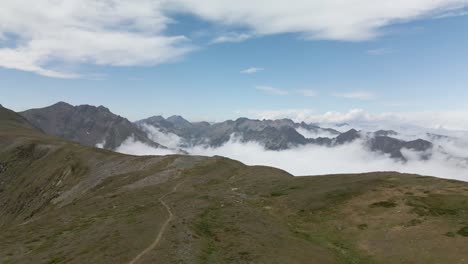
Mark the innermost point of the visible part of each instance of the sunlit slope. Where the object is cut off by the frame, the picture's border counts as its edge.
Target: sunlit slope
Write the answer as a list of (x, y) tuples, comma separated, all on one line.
[(64, 203)]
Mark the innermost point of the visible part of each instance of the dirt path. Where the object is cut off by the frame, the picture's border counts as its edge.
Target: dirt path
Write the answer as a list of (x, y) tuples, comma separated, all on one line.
[(163, 228)]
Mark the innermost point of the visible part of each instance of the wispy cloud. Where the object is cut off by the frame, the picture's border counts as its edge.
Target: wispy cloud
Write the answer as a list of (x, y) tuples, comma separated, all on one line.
[(252, 70), (271, 90), (455, 13), (353, 20), (231, 37), (361, 95)]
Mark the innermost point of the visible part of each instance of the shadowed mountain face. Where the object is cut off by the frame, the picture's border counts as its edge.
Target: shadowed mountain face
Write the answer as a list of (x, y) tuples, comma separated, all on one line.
[(394, 146), (62, 202), (88, 125)]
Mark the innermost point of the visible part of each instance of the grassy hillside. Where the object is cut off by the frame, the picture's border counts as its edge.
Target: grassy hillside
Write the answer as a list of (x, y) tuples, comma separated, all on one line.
[(64, 203)]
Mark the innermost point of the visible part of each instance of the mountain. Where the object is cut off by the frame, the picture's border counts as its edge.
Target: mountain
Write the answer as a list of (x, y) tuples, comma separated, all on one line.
[(385, 133), (62, 202), (272, 134), (279, 134), (88, 125), (11, 120), (394, 146), (91, 126)]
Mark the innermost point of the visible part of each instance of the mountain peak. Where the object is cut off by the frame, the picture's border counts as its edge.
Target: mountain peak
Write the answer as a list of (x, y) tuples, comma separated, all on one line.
[(103, 108), (86, 124), (348, 136), (157, 118), (61, 104), (178, 120), (385, 133)]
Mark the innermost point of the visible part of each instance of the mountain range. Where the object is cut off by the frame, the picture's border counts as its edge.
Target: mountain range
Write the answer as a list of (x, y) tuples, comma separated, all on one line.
[(98, 126)]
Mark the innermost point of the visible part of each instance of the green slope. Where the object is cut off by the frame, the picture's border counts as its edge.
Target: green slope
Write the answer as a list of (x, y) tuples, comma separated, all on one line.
[(64, 203)]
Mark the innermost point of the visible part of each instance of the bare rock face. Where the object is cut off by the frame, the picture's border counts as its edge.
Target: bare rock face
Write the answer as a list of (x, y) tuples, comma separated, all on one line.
[(278, 134), (347, 137), (3, 167), (394, 146), (88, 125)]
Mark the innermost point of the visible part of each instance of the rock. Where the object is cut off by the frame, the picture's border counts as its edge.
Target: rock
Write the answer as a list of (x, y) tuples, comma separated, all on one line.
[(3, 167)]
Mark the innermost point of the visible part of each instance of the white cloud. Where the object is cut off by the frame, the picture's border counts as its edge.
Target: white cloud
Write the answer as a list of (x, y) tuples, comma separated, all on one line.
[(315, 134), (316, 19), (251, 70), (441, 120), (49, 35), (317, 160), (361, 95), (455, 13), (231, 37), (349, 158), (166, 139), (271, 90), (134, 147), (297, 115), (54, 38)]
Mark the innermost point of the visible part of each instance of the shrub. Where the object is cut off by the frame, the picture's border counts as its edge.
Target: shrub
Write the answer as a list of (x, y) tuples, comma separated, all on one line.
[(386, 204), (463, 231)]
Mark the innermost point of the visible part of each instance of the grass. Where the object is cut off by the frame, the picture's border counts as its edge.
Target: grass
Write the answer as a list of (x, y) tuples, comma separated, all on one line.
[(463, 231), (363, 226), (440, 205), (277, 193), (384, 204), (271, 217)]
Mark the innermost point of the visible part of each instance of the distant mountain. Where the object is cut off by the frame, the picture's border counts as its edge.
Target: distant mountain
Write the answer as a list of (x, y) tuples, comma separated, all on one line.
[(278, 134), (394, 146), (90, 125), (86, 124), (385, 133), (273, 134)]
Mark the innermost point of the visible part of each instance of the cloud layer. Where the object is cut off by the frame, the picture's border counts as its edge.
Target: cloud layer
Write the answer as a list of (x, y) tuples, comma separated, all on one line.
[(353, 157), (349, 158), (361, 119), (53, 38)]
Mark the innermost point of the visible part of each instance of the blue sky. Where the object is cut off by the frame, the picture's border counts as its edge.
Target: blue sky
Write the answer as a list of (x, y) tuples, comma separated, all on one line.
[(413, 65)]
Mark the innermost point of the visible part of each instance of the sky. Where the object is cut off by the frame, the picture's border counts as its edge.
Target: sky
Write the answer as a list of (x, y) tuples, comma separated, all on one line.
[(217, 59)]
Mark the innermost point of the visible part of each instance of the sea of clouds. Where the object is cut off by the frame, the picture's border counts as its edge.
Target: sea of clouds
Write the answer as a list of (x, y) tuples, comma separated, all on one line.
[(448, 159)]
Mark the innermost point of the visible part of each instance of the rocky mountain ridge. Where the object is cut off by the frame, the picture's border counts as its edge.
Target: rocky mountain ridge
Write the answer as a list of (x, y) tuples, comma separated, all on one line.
[(98, 126), (86, 124)]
